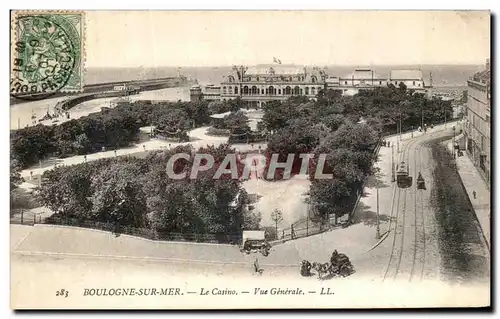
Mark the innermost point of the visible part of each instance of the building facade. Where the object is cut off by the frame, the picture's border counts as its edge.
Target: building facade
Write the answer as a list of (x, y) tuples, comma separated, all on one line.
[(363, 79), (261, 84), (478, 120)]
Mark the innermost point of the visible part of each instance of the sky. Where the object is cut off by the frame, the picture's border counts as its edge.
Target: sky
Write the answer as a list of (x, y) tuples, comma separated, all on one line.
[(218, 38)]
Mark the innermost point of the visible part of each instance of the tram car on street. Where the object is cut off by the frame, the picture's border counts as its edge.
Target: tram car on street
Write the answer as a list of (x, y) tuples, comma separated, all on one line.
[(420, 182), (402, 177)]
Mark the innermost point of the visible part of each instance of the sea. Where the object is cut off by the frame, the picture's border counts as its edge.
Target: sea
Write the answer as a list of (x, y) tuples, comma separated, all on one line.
[(445, 78), (442, 75)]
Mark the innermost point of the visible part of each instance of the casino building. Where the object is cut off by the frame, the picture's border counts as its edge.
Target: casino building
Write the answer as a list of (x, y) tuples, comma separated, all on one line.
[(261, 84)]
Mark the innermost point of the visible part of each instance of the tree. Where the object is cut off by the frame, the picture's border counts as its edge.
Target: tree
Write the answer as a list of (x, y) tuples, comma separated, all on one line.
[(118, 196), (360, 137), (31, 144), (277, 217), (277, 114), (331, 196), (15, 175)]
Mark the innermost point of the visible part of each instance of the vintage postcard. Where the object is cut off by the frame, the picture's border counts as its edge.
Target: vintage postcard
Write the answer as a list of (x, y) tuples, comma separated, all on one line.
[(250, 159)]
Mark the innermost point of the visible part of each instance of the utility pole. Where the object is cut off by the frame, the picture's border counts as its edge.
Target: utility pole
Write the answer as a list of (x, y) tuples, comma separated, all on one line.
[(422, 126), (453, 143), (444, 116), (400, 124)]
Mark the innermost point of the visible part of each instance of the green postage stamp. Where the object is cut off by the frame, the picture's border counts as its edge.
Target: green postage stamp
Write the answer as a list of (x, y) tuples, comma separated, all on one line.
[(47, 53)]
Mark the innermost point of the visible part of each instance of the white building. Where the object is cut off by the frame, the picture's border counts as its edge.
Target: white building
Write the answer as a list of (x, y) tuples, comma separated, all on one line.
[(478, 120), (363, 79), (260, 84)]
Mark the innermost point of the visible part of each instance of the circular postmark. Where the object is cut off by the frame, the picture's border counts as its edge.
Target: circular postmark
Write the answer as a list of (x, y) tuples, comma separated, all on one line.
[(44, 58)]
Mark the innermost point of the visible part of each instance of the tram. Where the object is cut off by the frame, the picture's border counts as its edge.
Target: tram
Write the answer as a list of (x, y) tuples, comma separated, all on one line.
[(420, 181), (402, 177)]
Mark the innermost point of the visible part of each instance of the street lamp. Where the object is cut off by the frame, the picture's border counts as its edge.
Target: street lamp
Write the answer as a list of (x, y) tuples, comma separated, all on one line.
[(377, 236)]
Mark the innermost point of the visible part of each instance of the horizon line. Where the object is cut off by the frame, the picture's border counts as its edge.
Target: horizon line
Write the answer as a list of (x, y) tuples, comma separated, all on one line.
[(287, 64)]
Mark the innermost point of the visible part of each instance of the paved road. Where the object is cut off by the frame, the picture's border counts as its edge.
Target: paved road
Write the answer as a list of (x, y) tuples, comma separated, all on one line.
[(418, 249), (413, 248)]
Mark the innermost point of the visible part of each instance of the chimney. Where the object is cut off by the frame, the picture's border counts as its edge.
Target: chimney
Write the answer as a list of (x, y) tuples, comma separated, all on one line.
[(488, 64)]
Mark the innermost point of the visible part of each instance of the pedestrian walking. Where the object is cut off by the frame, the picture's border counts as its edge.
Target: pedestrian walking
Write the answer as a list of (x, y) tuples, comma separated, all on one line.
[(256, 266), (474, 194)]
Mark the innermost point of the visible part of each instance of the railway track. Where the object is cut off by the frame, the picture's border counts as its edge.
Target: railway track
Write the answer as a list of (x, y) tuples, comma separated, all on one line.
[(419, 219), (402, 217)]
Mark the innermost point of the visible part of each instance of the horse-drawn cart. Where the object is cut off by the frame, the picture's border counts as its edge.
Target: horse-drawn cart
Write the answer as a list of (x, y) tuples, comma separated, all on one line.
[(339, 266)]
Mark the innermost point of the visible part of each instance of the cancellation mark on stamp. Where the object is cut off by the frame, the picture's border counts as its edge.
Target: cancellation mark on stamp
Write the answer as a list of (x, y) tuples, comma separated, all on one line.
[(46, 55)]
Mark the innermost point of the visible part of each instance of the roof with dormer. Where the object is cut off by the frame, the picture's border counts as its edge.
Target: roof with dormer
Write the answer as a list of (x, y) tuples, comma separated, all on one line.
[(277, 68)]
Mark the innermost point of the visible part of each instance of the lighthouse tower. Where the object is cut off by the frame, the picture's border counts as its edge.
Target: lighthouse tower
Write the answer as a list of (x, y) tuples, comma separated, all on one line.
[(195, 93)]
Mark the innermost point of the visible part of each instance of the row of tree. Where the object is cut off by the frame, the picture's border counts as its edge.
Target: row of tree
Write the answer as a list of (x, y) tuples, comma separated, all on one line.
[(331, 125), (110, 128), (138, 193)]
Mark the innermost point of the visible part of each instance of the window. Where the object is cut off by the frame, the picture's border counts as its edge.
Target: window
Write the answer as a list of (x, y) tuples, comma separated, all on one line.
[(262, 91), (313, 91), (345, 82), (235, 90), (258, 79), (380, 82), (313, 79), (290, 79), (279, 91), (307, 91), (413, 82)]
